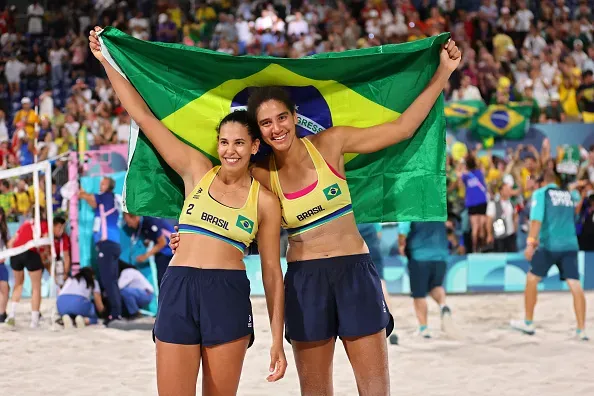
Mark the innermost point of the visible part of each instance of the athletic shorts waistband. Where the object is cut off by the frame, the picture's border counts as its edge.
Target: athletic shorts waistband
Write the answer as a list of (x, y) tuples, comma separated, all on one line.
[(331, 262), (194, 272)]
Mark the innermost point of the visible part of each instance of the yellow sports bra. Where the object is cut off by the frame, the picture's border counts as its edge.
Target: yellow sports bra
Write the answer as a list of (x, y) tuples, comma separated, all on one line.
[(202, 214), (325, 200)]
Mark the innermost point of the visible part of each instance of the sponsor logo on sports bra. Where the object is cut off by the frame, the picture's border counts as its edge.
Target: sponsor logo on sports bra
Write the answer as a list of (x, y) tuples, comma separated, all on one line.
[(245, 224), (332, 191), (310, 212), (215, 220), (197, 195)]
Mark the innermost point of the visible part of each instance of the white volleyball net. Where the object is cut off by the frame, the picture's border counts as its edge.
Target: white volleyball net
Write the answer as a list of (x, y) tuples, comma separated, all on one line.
[(35, 182)]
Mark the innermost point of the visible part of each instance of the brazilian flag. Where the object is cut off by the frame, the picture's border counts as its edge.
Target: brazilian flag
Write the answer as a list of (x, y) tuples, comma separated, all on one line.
[(191, 89), (461, 114), (507, 121)]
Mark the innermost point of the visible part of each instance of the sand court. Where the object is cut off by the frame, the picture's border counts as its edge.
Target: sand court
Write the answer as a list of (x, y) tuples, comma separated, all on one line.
[(488, 359)]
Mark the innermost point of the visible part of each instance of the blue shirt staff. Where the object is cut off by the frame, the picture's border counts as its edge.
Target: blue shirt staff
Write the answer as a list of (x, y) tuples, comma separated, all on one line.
[(106, 234), (157, 231), (552, 240)]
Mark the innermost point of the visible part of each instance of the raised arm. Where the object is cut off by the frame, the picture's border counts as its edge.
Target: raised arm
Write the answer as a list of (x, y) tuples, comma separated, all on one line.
[(190, 164), (269, 220), (377, 137)]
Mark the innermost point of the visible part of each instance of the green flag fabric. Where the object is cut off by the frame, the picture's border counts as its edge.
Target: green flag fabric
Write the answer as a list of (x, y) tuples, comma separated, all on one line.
[(461, 114), (191, 89), (508, 121)]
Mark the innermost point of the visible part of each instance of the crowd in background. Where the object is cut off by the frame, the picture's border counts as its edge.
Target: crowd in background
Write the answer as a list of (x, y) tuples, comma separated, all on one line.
[(512, 50)]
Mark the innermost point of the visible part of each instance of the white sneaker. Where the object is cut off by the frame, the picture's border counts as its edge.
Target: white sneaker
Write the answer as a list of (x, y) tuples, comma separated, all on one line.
[(521, 325), (425, 333), (446, 319), (34, 324), (582, 336), (80, 322), (67, 321)]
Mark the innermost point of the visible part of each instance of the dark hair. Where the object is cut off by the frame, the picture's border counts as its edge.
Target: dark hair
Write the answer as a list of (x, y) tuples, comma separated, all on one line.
[(470, 162), (112, 184), (122, 265), (88, 275), (587, 73), (3, 227), (241, 117), (264, 94), (59, 220)]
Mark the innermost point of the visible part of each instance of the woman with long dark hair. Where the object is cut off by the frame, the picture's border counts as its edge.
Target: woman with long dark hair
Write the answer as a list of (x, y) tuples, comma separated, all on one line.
[(74, 299), (4, 287)]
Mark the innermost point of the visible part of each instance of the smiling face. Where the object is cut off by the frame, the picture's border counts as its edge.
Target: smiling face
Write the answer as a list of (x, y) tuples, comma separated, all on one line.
[(236, 146), (277, 124)]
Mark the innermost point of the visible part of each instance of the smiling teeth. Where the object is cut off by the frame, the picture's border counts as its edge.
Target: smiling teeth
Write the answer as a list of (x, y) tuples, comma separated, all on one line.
[(280, 137), (232, 159)]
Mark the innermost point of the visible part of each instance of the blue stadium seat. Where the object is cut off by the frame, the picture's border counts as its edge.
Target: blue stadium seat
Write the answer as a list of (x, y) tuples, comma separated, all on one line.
[(57, 92), (16, 106), (30, 94), (58, 102)]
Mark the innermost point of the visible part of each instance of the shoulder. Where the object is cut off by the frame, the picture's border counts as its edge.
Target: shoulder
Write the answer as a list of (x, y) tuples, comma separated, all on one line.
[(267, 199), (261, 172)]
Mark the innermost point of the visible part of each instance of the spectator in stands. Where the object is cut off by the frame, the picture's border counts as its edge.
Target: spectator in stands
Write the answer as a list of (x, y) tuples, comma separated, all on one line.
[(471, 177), (6, 197), (106, 234), (4, 287), (24, 146), (27, 116), (121, 125), (585, 97), (74, 299), (466, 91), (166, 30), (586, 170), (31, 260), (21, 203), (13, 70), (140, 26), (157, 231), (503, 221), (553, 112), (135, 289), (62, 249), (35, 13), (57, 58)]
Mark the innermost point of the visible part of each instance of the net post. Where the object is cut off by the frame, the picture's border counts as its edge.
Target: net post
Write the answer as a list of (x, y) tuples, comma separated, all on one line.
[(50, 225)]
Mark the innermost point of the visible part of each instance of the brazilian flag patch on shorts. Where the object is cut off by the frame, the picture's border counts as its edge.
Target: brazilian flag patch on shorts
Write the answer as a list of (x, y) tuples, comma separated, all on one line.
[(245, 224)]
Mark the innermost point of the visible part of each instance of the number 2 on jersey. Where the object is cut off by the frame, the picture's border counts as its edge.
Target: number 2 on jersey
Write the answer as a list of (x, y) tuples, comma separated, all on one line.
[(189, 210)]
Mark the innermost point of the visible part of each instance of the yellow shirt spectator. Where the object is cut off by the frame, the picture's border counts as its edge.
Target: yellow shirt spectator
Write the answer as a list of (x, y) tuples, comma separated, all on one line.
[(176, 16), (41, 196), (29, 117), (21, 202), (206, 14), (500, 43)]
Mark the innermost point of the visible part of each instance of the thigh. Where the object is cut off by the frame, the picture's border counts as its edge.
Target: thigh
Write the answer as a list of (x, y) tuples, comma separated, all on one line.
[(418, 274), (17, 263), (369, 358), (360, 303), (221, 365), (541, 263), (313, 361), (19, 276), (438, 270), (568, 265), (310, 309), (35, 277), (177, 369), (34, 263)]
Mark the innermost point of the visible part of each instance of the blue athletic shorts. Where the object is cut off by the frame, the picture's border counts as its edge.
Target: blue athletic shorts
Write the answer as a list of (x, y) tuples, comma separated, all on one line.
[(203, 306), (424, 276), (544, 259), (3, 273), (337, 296)]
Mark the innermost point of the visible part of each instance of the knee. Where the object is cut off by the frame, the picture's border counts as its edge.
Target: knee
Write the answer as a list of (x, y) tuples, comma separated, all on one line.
[(574, 285)]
